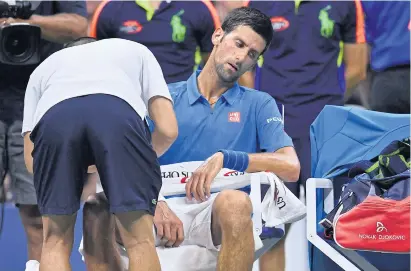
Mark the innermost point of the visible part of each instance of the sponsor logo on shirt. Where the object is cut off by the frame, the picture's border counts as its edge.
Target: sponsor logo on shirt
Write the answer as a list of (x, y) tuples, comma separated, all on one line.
[(131, 27), (234, 117), (279, 23), (275, 119), (327, 25), (178, 28)]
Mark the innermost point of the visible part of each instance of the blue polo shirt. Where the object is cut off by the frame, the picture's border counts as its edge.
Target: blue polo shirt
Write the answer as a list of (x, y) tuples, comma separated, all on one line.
[(173, 32), (387, 25), (301, 67), (243, 119)]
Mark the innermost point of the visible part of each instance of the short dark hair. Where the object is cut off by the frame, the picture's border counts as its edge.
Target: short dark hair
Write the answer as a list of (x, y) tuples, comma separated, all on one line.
[(251, 17), (79, 41)]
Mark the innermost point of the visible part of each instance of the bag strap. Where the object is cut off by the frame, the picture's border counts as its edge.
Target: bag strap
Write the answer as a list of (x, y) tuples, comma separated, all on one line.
[(393, 159)]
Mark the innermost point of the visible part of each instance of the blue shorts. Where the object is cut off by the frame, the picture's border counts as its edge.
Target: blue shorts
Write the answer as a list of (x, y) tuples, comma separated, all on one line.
[(100, 130)]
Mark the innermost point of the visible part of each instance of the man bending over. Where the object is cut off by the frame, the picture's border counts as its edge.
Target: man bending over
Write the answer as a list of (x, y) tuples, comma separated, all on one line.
[(85, 105)]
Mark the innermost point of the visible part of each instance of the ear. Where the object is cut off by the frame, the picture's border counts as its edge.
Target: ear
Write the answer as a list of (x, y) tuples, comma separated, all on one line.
[(217, 36)]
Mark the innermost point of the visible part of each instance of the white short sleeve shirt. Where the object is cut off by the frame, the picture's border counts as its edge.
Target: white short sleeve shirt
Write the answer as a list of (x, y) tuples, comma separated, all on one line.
[(117, 67)]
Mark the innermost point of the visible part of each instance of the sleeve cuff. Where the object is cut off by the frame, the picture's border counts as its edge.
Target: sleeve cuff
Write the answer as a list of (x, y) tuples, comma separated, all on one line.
[(161, 197)]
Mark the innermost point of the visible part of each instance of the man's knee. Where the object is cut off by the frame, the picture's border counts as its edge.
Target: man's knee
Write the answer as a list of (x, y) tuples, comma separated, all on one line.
[(30, 215), (59, 227), (33, 224), (231, 207)]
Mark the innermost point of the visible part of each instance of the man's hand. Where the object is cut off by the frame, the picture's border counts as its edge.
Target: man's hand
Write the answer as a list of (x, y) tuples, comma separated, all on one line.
[(169, 226), (199, 183), (58, 28), (92, 169), (7, 21)]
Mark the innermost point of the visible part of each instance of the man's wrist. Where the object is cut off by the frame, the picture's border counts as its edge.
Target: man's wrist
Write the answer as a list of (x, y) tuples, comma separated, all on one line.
[(235, 160), (35, 20)]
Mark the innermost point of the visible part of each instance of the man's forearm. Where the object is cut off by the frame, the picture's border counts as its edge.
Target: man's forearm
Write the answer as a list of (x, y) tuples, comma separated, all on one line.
[(28, 147), (160, 142), (283, 165), (60, 28), (353, 77)]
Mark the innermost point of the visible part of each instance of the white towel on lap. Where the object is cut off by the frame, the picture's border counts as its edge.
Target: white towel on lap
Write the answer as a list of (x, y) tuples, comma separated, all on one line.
[(279, 206)]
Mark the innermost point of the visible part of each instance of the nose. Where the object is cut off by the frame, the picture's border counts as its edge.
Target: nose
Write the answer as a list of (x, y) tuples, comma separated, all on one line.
[(241, 55)]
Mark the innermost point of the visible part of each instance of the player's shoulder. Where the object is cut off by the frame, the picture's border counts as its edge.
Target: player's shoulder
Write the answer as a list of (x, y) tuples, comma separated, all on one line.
[(198, 11), (109, 6), (177, 90), (256, 96)]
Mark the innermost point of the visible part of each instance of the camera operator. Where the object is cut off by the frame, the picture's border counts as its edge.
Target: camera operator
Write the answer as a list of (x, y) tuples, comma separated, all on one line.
[(60, 22)]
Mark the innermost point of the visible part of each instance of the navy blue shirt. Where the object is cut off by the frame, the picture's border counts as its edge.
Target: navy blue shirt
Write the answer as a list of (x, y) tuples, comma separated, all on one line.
[(387, 25), (14, 79), (243, 119), (300, 69), (172, 32)]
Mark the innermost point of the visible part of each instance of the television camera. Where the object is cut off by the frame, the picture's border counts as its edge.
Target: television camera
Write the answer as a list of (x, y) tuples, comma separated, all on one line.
[(19, 42)]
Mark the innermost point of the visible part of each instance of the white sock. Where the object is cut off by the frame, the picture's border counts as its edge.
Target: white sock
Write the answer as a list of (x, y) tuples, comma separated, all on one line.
[(32, 265)]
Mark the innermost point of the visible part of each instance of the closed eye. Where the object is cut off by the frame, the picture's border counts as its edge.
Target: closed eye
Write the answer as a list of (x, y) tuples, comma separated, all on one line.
[(239, 44)]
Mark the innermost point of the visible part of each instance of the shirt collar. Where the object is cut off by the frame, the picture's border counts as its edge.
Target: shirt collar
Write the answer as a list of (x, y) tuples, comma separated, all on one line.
[(194, 94), (149, 10)]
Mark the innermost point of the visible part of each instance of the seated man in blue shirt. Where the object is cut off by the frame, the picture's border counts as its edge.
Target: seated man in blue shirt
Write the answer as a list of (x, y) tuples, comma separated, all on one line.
[(228, 126)]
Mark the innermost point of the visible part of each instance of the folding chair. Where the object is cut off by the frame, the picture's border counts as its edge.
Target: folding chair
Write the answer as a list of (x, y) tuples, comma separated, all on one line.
[(340, 136)]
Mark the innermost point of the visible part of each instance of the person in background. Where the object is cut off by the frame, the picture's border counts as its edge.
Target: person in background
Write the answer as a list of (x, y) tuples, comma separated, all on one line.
[(91, 8), (388, 25), (60, 22), (177, 32), (300, 70)]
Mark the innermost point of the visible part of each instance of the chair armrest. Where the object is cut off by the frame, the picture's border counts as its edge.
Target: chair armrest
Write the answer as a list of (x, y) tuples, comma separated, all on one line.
[(311, 201), (317, 241)]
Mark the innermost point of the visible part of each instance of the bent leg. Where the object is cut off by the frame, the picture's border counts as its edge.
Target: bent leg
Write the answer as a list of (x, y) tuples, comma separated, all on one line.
[(100, 248), (58, 242), (33, 226), (232, 227), (136, 230), (60, 161)]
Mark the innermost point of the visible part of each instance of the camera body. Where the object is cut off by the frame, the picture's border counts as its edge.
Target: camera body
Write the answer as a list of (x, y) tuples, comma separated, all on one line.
[(19, 42)]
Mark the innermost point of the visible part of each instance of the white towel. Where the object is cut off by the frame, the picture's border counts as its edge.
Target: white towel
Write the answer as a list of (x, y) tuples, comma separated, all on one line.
[(279, 206)]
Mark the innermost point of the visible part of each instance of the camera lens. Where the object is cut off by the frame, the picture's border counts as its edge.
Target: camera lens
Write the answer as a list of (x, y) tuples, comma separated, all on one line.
[(17, 45)]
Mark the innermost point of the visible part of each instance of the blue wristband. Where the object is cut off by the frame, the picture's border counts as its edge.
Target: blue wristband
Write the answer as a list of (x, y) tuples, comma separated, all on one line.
[(235, 160)]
